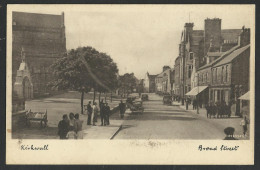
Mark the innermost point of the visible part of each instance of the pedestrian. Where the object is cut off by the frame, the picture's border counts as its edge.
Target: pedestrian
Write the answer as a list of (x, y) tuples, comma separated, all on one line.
[(194, 104), (102, 113), (71, 121), (78, 127), (208, 110), (122, 108), (101, 103), (89, 108), (63, 127), (71, 134), (187, 103), (229, 131), (107, 113), (244, 122), (94, 114)]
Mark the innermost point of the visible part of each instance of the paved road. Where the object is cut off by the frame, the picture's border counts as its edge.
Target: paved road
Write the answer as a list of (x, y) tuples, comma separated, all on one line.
[(168, 122)]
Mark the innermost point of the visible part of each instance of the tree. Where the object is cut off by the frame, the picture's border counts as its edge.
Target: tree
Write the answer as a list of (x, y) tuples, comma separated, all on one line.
[(104, 74), (127, 83), (83, 69)]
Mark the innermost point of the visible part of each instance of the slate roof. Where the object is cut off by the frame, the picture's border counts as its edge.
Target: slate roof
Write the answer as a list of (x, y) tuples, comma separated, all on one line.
[(37, 20), (233, 55), (152, 76), (230, 34), (214, 54), (220, 58), (197, 36)]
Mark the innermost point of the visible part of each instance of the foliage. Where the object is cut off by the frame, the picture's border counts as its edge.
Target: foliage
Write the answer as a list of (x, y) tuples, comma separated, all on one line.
[(84, 69), (127, 83)]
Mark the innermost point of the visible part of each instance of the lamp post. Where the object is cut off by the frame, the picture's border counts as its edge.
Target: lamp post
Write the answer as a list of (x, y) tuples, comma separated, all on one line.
[(198, 98)]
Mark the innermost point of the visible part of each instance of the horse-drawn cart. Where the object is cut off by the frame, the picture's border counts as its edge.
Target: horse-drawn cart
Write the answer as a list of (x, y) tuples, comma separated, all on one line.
[(36, 116)]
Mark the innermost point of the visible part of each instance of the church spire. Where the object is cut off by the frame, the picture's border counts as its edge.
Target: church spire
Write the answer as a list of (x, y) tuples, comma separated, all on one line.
[(23, 55)]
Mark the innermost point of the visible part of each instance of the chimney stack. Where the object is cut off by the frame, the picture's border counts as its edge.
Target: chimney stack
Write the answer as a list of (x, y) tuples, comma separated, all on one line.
[(244, 37), (166, 68)]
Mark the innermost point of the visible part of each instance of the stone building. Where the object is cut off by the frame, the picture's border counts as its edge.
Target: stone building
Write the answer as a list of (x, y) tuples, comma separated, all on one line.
[(177, 76), (149, 83), (227, 77), (41, 38), (194, 48)]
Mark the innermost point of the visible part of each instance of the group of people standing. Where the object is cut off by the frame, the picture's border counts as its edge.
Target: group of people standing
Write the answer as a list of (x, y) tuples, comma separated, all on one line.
[(93, 110), (70, 128), (219, 108)]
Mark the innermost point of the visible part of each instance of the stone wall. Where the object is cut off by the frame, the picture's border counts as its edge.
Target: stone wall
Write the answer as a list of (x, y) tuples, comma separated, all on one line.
[(42, 36)]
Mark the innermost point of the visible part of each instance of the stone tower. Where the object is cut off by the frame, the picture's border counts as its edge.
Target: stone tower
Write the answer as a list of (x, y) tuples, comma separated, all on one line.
[(212, 34)]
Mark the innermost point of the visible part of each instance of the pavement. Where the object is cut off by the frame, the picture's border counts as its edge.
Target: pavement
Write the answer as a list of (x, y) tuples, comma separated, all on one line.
[(64, 104), (174, 122), (233, 121), (104, 132)]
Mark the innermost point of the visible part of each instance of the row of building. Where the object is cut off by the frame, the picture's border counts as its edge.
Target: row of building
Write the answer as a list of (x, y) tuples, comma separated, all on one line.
[(212, 65)]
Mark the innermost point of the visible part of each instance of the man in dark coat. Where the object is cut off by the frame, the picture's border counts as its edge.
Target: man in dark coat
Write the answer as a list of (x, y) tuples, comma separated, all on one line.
[(102, 112), (187, 103), (89, 108), (107, 113), (122, 109), (63, 127), (194, 104)]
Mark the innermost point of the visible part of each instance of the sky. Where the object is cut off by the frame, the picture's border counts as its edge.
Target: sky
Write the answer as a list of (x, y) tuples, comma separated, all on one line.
[(139, 38)]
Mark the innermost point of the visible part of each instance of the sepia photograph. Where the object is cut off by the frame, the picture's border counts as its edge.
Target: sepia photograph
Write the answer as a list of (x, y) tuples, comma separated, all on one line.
[(126, 73)]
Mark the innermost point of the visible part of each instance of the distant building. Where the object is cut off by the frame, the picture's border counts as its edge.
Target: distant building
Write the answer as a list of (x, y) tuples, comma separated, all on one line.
[(149, 83), (41, 38), (163, 81)]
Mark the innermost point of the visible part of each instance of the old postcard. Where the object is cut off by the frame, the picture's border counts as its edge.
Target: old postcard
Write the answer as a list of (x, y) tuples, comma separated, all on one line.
[(130, 84)]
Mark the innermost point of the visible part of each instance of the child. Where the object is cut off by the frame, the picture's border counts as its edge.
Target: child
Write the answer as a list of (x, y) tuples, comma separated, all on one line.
[(71, 134), (244, 124)]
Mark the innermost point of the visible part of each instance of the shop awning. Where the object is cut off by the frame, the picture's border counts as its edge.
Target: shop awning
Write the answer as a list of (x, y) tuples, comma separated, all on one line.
[(245, 96), (196, 90)]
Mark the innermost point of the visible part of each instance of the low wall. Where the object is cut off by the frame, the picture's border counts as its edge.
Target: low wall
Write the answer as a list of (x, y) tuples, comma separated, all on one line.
[(18, 120)]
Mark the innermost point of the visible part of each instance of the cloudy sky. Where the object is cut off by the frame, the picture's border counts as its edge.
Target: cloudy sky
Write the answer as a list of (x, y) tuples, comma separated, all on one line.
[(139, 38)]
